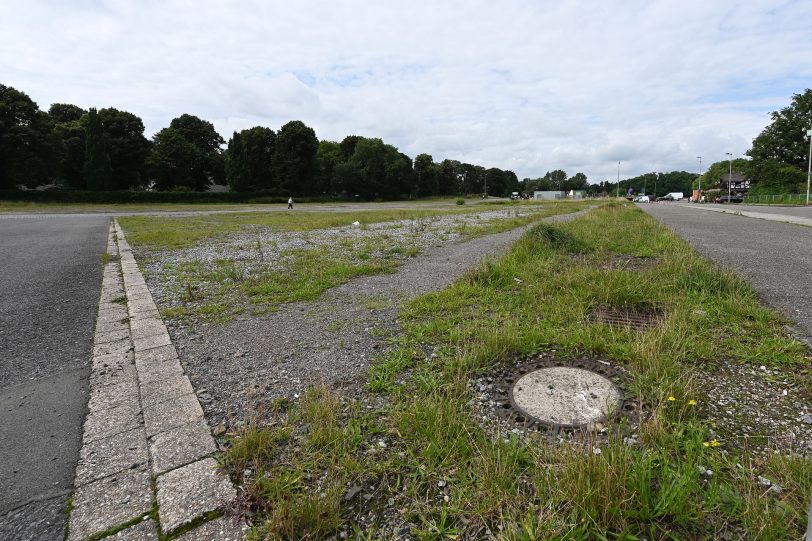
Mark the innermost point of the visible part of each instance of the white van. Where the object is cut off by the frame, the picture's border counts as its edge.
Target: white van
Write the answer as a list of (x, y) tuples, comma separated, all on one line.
[(676, 196)]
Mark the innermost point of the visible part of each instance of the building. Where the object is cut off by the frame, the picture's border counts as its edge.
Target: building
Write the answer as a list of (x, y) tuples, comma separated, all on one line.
[(555, 194), (738, 184)]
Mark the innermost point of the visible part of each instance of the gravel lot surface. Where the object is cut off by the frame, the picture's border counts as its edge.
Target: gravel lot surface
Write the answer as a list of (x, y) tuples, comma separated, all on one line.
[(253, 360), (776, 258)]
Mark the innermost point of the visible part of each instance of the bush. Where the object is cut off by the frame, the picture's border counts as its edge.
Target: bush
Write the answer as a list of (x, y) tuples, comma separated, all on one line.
[(460, 201)]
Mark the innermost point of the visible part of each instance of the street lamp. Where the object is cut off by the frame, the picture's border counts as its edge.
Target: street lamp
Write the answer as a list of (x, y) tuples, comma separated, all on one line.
[(730, 174), (655, 186), (617, 194), (699, 197), (809, 169)]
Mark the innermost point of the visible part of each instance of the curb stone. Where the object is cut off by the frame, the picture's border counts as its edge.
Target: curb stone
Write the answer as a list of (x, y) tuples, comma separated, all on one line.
[(145, 440)]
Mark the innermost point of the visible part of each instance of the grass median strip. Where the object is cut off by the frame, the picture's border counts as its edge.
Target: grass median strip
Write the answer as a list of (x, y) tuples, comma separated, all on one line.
[(414, 455)]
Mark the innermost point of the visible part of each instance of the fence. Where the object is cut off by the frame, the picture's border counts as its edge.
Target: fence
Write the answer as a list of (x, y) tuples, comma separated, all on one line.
[(777, 199)]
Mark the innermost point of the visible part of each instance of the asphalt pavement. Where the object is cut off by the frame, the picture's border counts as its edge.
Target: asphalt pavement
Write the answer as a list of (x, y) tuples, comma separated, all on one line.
[(775, 257), (50, 279)]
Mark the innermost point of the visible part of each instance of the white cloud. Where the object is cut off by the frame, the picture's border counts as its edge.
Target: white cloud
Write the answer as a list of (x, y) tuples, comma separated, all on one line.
[(530, 86)]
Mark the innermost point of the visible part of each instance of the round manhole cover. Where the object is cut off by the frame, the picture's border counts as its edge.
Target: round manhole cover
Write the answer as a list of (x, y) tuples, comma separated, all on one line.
[(566, 396)]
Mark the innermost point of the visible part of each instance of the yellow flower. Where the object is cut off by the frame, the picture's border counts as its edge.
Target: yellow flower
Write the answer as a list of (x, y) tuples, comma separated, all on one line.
[(713, 443), (692, 402), (671, 398)]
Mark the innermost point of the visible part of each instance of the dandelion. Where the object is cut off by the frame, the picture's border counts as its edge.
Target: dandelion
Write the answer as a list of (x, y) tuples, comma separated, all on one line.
[(713, 443), (692, 402), (671, 398)]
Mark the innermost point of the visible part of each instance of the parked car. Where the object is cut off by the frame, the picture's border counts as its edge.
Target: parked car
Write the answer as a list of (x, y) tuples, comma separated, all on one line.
[(642, 199), (667, 197), (735, 198)]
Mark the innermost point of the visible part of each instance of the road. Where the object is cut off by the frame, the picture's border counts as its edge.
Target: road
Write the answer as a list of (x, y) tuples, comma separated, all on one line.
[(50, 279), (775, 257)]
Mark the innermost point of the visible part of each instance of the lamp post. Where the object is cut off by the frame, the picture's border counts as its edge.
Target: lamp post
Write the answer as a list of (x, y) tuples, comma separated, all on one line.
[(655, 185), (809, 169), (617, 194), (730, 174), (699, 178)]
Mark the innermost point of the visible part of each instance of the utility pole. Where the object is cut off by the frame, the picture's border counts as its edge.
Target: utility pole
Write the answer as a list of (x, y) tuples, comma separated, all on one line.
[(809, 170), (729, 175), (618, 180), (655, 185), (699, 178)]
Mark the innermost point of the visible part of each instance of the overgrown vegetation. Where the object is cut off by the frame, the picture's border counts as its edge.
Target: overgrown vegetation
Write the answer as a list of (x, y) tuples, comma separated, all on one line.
[(215, 292), (420, 461)]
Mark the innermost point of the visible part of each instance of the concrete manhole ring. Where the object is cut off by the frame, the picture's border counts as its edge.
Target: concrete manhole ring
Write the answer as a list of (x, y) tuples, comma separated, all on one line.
[(559, 394)]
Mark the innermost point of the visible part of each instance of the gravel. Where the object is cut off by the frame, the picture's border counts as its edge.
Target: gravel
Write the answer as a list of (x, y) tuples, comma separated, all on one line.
[(239, 366)]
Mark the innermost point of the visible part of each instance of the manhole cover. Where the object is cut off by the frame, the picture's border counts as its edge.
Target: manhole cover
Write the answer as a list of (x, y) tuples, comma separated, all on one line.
[(561, 395), (566, 396)]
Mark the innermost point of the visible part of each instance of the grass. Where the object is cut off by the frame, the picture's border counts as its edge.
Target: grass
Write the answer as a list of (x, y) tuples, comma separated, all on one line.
[(444, 475), (216, 292)]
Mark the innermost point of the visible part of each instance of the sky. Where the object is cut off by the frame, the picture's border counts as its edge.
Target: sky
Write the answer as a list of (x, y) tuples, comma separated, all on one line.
[(529, 86)]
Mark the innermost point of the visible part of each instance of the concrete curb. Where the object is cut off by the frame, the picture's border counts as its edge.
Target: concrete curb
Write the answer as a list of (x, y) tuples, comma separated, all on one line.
[(145, 426)]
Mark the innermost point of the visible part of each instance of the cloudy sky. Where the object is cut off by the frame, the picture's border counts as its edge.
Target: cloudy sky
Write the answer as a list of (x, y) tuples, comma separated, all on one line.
[(529, 86)]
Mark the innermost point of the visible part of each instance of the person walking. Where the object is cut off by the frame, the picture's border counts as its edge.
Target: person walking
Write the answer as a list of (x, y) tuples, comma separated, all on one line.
[(290, 203)]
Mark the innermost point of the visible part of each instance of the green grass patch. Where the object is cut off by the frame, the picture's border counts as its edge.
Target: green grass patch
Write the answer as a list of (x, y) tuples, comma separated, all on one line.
[(447, 477)]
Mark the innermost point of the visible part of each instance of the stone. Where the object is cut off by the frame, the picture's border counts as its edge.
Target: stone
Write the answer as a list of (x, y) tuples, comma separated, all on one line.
[(192, 491), (110, 396), (153, 341), (181, 445), (149, 371), (146, 530), (111, 336), (171, 414), (807, 419), (108, 456), (108, 502), (157, 391), (143, 328), (110, 348), (104, 423), (219, 529)]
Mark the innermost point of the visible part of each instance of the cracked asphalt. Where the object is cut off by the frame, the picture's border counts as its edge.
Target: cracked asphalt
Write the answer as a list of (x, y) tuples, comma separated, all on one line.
[(50, 279)]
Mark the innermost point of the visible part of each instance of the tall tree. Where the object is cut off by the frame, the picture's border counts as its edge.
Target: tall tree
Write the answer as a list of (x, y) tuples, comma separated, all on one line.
[(425, 173), (249, 160), (98, 173), (780, 151), (295, 157), (328, 156), (449, 181), (69, 128), (127, 147), (187, 154), (29, 151)]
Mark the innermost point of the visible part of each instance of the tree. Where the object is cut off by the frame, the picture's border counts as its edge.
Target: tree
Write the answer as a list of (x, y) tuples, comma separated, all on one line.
[(29, 151), (249, 160), (784, 140), (328, 157), (375, 170), (127, 147), (295, 157), (97, 172), (425, 173), (187, 154), (69, 128), (578, 181), (449, 177), (65, 112)]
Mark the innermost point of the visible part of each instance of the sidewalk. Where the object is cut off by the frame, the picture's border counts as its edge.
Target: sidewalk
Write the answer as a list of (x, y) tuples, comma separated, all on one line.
[(145, 465)]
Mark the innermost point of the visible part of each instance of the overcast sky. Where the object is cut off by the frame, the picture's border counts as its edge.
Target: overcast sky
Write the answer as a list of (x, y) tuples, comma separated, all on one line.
[(528, 86)]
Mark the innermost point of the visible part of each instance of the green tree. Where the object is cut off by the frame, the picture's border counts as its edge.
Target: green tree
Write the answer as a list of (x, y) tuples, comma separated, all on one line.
[(375, 170), (249, 160), (449, 177), (328, 156), (97, 172), (29, 151), (187, 154), (425, 174), (295, 157), (127, 147), (69, 128)]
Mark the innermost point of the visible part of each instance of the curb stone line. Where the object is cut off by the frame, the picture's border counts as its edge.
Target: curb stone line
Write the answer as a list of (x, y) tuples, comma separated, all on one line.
[(119, 465), (188, 483)]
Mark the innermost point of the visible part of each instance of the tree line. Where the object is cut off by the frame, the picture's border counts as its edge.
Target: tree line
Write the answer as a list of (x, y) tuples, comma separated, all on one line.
[(106, 150)]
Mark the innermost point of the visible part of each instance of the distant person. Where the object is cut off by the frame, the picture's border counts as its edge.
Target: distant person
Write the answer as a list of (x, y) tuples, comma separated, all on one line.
[(290, 203)]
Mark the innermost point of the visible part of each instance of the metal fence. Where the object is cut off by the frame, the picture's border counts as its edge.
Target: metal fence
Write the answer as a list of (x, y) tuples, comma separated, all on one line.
[(777, 199)]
